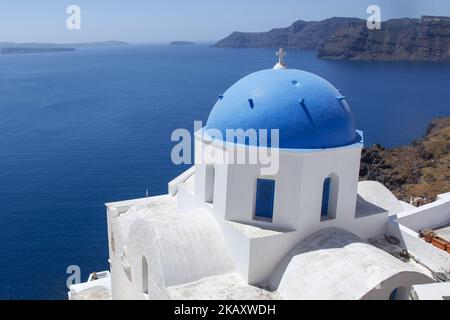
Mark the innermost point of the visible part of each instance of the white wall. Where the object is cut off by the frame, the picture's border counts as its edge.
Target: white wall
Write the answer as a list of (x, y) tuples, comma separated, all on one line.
[(298, 184), (297, 204), (342, 162), (175, 183), (220, 178), (402, 281), (431, 215)]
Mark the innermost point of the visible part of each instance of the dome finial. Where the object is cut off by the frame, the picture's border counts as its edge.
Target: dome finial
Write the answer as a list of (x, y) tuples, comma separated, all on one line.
[(281, 63)]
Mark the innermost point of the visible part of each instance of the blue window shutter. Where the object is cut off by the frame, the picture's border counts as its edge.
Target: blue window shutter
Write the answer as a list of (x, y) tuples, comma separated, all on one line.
[(265, 194), (325, 197)]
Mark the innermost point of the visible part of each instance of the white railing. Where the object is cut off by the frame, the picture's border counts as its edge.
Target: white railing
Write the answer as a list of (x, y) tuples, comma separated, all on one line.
[(173, 185)]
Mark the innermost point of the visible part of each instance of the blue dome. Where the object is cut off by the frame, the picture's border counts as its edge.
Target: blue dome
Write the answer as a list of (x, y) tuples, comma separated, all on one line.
[(309, 112)]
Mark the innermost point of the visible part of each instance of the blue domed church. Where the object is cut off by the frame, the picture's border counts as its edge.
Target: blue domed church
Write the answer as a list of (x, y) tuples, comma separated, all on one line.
[(307, 110), (271, 209), (281, 150)]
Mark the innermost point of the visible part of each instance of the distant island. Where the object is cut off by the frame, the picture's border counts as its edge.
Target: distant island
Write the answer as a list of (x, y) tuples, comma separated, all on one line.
[(181, 43), (425, 39), (111, 43), (19, 48)]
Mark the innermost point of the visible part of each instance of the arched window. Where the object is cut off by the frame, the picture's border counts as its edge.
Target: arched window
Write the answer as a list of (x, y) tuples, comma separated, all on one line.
[(113, 248), (209, 183), (399, 293), (329, 197), (325, 198), (144, 275), (394, 294)]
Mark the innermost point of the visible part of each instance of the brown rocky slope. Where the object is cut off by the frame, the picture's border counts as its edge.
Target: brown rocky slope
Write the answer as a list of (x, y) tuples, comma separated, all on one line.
[(421, 169)]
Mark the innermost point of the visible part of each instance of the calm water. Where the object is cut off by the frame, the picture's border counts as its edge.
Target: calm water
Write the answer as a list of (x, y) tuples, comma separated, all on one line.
[(82, 128)]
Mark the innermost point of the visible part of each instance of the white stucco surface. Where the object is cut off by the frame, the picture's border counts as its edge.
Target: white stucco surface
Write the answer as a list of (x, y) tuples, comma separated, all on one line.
[(436, 291), (257, 230), (224, 287), (336, 264), (251, 222), (92, 290), (436, 260), (193, 253), (406, 205), (179, 247), (93, 293), (379, 196), (432, 215), (203, 240), (443, 232)]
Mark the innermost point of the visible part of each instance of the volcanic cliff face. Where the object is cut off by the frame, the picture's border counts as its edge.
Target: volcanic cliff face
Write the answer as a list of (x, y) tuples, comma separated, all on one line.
[(423, 39), (398, 39), (300, 35), (419, 170)]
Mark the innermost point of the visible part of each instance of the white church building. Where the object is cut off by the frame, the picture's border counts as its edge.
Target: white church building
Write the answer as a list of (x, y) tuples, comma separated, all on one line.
[(307, 229)]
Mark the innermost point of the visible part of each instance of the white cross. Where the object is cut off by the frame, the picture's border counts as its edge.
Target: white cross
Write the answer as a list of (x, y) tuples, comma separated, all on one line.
[(281, 54)]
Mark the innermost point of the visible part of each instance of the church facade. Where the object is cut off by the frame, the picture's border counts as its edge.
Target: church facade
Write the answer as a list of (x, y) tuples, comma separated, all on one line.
[(307, 230)]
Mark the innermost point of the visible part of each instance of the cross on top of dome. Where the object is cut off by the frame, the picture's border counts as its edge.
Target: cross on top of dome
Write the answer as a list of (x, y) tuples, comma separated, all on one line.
[(281, 62)]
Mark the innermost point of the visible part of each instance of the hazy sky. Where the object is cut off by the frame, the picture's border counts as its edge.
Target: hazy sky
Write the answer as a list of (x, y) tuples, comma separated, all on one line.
[(198, 20)]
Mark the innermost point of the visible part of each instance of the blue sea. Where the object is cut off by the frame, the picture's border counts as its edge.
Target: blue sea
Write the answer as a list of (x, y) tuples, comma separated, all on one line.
[(79, 129)]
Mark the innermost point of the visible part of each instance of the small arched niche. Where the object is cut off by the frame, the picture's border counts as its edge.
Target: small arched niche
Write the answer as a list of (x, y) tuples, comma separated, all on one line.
[(144, 275), (330, 193), (210, 177), (399, 293)]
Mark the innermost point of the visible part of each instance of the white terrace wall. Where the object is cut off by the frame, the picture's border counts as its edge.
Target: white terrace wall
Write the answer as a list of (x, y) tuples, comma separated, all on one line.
[(431, 215)]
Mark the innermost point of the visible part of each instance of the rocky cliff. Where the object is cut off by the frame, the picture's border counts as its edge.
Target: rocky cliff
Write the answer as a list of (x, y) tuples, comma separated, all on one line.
[(423, 39), (300, 35), (421, 169)]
